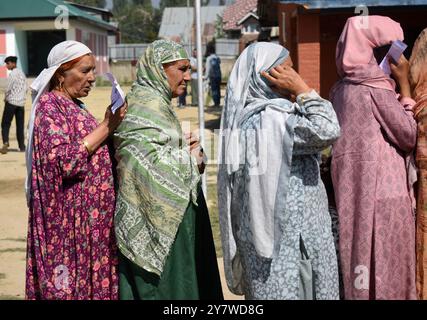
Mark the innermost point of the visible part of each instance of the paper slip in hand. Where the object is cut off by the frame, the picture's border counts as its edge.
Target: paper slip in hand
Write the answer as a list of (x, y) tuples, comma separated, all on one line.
[(117, 94), (395, 51)]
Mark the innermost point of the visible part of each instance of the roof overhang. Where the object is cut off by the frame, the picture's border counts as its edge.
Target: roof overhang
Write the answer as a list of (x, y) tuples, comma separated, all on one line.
[(246, 17), (52, 19)]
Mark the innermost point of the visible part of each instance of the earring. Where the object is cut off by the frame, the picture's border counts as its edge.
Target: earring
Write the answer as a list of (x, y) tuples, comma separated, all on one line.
[(60, 86)]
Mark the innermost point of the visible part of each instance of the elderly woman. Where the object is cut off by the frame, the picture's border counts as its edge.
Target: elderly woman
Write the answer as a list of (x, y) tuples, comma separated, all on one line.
[(418, 81), (71, 245), (162, 223), (369, 164), (275, 225)]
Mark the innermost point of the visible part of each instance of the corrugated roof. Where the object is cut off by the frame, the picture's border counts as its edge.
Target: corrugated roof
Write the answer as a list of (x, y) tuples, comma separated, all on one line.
[(234, 13), (325, 4), (177, 22), (38, 9)]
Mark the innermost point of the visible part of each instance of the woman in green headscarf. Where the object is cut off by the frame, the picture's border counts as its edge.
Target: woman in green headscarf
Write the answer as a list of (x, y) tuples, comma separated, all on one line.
[(161, 221)]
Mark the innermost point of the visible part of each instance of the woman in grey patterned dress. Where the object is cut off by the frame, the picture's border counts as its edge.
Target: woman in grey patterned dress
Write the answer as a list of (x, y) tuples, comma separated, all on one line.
[(275, 225)]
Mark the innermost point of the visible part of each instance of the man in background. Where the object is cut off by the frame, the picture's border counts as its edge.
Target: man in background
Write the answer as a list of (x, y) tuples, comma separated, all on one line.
[(15, 97), (194, 88), (213, 73)]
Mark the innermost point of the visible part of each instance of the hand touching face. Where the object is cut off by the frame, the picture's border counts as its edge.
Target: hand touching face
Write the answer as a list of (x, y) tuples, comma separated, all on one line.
[(285, 80)]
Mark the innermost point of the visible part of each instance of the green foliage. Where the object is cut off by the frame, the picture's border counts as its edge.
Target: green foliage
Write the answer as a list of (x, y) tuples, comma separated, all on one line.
[(180, 3), (92, 3), (138, 23), (219, 30)]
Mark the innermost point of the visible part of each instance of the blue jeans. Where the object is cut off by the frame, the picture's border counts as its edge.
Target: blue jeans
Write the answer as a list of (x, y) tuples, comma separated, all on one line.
[(215, 84)]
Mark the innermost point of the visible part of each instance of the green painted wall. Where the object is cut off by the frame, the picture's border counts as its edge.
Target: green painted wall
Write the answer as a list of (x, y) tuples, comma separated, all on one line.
[(21, 50)]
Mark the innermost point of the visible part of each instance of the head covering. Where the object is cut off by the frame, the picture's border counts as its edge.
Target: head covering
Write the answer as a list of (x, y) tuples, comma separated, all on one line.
[(11, 59), (157, 175), (60, 54), (150, 72), (355, 58), (254, 117), (418, 71)]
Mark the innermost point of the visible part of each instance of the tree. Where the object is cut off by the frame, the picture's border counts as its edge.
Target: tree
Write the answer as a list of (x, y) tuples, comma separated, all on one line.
[(92, 3), (219, 27), (180, 3), (138, 23)]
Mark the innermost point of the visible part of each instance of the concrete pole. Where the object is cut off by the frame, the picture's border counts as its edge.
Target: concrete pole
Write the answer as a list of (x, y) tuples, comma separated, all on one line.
[(200, 85)]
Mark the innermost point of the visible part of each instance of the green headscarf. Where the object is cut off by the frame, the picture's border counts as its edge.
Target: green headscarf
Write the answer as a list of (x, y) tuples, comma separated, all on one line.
[(158, 176)]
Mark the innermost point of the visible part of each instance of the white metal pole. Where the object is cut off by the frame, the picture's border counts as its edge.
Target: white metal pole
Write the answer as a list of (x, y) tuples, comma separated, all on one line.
[(200, 85)]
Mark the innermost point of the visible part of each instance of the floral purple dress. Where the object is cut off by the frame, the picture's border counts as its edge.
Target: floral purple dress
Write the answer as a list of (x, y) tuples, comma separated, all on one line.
[(71, 249)]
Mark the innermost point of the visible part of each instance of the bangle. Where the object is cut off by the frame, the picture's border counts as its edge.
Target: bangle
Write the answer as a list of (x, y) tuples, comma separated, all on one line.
[(88, 147)]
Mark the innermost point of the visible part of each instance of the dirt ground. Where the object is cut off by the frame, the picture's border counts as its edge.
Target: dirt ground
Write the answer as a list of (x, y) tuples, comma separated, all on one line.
[(13, 209)]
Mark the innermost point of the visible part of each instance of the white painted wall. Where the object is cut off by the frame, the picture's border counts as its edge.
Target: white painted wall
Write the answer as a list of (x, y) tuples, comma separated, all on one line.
[(10, 41)]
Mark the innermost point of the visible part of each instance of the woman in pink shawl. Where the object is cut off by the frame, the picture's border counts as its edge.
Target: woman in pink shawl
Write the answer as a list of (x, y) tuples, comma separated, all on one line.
[(369, 167)]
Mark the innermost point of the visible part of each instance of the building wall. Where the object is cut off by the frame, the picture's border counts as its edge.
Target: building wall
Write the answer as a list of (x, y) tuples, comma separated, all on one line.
[(311, 37), (13, 41), (308, 38), (331, 27), (7, 46), (96, 39), (21, 50), (3, 69)]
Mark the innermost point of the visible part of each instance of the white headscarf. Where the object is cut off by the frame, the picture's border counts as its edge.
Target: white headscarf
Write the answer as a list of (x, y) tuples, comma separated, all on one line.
[(256, 124), (61, 53)]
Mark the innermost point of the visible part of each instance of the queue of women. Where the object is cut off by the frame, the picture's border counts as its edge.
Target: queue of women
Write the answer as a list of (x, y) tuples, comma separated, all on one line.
[(116, 207)]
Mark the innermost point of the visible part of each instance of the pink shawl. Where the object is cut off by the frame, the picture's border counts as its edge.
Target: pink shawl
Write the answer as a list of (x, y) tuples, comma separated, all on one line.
[(354, 54)]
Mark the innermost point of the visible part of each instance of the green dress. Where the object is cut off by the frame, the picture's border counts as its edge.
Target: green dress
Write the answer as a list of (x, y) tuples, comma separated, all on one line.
[(161, 220), (191, 270)]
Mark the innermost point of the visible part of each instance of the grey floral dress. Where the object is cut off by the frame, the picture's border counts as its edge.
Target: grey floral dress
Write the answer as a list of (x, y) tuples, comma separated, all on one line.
[(306, 216)]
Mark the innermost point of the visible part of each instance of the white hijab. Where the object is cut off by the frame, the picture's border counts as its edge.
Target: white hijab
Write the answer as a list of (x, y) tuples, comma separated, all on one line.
[(60, 54), (256, 133)]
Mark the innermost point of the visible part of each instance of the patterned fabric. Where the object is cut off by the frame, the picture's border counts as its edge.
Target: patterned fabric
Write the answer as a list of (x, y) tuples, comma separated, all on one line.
[(418, 79), (61, 53), (157, 175), (306, 214), (71, 251), (16, 92), (377, 227), (263, 214), (369, 173)]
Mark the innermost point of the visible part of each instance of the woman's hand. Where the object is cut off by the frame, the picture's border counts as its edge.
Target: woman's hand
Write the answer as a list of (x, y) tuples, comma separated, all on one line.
[(192, 140), (196, 150), (111, 120), (285, 80), (400, 72)]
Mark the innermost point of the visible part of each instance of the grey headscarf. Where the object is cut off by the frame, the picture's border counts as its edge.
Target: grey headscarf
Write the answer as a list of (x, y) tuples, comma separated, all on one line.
[(254, 120)]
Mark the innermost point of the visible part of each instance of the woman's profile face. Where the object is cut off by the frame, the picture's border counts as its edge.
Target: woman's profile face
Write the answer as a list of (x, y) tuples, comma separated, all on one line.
[(178, 74), (78, 81)]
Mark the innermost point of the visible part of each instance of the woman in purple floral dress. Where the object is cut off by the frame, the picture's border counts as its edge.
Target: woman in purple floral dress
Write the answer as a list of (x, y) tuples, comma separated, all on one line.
[(71, 252)]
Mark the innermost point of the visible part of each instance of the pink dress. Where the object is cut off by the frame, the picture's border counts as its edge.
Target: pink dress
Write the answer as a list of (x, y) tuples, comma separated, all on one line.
[(71, 250), (376, 220)]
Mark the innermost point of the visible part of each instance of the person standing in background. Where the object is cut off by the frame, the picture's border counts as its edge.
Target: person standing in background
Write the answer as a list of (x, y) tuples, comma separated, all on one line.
[(194, 88), (14, 99), (213, 73)]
